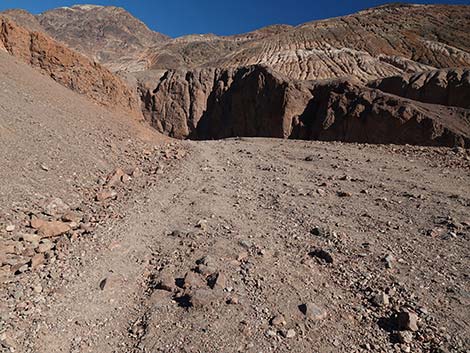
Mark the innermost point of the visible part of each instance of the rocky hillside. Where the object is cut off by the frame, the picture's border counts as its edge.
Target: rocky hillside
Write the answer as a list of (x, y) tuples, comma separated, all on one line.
[(257, 101), (67, 67), (446, 86)]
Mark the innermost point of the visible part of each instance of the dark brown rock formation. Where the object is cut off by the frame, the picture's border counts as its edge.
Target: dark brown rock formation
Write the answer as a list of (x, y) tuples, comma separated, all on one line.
[(256, 101), (446, 87)]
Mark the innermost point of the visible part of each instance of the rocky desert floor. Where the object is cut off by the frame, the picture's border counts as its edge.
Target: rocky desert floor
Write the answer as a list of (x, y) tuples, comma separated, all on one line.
[(251, 245)]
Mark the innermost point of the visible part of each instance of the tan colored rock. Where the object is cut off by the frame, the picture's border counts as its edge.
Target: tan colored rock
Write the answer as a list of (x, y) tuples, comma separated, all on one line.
[(37, 260), (56, 207), (106, 195), (48, 229), (115, 178), (193, 280)]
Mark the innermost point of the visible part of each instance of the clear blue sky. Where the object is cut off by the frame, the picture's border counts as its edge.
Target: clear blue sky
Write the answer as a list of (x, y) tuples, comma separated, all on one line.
[(178, 17)]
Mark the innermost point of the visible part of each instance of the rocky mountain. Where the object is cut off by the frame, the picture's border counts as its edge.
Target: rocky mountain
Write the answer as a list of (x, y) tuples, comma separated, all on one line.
[(109, 35), (67, 67), (106, 34)]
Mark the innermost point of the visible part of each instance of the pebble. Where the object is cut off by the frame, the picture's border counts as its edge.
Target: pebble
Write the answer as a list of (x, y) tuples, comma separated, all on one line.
[(405, 337), (10, 228), (323, 255), (289, 333), (201, 298), (389, 261), (106, 195), (37, 260), (407, 321), (381, 299), (278, 320), (343, 194), (313, 311), (165, 281)]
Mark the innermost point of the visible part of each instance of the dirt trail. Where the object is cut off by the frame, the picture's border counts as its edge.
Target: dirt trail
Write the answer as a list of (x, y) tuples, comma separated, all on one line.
[(256, 213)]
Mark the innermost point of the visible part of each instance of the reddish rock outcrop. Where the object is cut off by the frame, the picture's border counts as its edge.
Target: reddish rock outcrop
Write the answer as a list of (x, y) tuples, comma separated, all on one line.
[(67, 67)]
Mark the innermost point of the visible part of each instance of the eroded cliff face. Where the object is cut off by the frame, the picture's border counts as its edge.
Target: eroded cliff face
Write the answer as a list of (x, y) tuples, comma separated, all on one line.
[(256, 101), (67, 67), (446, 87), (350, 112)]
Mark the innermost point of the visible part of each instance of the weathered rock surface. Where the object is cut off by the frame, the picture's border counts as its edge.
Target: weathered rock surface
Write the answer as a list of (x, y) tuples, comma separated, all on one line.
[(375, 43), (108, 34), (256, 101), (65, 66), (446, 86)]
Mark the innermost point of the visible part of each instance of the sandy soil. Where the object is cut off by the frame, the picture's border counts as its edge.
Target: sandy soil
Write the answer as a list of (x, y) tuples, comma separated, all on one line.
[(224, 248)]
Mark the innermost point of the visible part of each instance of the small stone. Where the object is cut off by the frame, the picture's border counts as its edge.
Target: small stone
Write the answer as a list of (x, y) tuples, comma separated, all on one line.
[(37, 260), (381, 299), (201, 298), (55, 207), (234, 300), (71, 216), (193, 280), (271, 333), (202, 224), (106, 195), (10, 228), (103, 283), (44, 246), (37, 288), (278, 320), (126, 178), (323, 255), (343, 194), (313, 311), (407, 321), (30, 238), (115, 178), (217, 281), (289, 333), (166, 281), (52, 229), (405, 337), (389, 261), (207, 261)]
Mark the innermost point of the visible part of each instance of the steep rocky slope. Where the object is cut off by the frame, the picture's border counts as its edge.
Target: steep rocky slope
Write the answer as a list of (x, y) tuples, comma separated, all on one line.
[(256, 101), (447, 86), (53, 138), (70, 69)]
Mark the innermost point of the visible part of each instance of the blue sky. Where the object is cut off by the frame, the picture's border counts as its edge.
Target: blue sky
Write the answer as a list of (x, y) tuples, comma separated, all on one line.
[(179, 17)]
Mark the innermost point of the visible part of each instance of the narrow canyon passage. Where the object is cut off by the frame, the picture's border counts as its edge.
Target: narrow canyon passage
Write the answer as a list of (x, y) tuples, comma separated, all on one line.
[(267, 245)]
